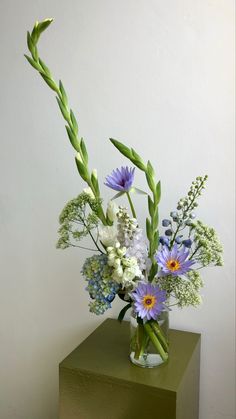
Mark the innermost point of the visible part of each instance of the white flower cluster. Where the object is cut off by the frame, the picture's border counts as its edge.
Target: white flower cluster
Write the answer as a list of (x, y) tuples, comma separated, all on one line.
[(125, 269), (184, 290), (125, 245), (132, 237), (126, 225)]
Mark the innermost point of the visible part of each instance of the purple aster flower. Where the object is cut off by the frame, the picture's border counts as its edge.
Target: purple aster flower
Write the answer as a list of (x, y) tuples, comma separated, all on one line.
[(148, 301), (121, 179), (174, 261)]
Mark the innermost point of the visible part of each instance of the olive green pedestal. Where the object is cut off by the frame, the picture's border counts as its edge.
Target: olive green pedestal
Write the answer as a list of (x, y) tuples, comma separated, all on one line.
[(97, 380)]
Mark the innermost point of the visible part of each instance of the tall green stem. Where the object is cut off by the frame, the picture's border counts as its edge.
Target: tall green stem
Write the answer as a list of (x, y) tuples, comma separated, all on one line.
[(72, 126), (131, 205)]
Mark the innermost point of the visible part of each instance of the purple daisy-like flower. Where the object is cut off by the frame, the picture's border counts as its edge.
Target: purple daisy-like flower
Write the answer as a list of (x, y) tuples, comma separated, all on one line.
[(174, 262), (148, 301), (121, 179)]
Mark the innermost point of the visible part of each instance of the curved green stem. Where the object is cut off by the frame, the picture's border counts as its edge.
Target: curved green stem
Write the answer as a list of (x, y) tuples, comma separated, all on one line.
[(131, 205), (195, 251), (72, 126)]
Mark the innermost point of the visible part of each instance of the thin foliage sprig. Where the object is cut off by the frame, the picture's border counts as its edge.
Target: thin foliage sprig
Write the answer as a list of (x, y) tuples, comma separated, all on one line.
[(153, 200), (72, 129)]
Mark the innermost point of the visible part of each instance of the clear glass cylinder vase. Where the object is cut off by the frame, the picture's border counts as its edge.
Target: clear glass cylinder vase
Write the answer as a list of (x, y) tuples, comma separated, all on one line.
[(149, 346)]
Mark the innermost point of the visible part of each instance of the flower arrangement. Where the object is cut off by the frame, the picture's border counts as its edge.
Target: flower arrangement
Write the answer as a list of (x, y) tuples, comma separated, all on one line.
[(149, 272)]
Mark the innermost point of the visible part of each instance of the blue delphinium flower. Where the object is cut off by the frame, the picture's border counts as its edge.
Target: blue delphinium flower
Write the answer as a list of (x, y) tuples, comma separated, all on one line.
[(166, 223), (164, 240), (148, 301), (121, 179), (178, 239), (102, 289), (187, 243), (173, 262)]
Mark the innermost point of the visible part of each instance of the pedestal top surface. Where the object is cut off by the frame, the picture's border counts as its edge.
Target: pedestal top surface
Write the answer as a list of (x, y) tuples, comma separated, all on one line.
[(105, 352)]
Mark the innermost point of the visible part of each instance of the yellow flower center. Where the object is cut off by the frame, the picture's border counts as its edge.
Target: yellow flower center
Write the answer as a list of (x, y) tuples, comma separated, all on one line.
[(173, 265), (149, 301)]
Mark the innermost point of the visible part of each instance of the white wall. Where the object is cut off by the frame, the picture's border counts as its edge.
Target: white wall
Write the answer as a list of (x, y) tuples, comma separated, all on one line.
[(158, 75)]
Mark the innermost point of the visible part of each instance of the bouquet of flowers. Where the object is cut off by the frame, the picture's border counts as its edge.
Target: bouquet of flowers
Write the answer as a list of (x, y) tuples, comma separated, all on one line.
[(150, 272)]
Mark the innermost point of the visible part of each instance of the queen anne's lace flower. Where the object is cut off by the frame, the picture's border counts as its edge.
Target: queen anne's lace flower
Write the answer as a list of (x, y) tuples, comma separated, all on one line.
[(184, 290), (208, 247)]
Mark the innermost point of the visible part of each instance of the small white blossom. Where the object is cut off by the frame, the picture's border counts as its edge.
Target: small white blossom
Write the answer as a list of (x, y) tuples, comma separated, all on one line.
[(126, 269), (107, 235), (89, 192), (112, 210)]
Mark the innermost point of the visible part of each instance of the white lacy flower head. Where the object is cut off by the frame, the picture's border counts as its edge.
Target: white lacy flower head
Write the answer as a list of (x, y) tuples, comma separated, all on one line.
[(112, 210), (89, 192)]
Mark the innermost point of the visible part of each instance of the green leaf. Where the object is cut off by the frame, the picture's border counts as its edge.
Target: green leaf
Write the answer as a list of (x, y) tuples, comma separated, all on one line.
[(50, 82), (155, 218), (148, 229), (82, 170), (74, 122), (63, 93), (158, 192), (118, 195), (150, 181), (122, 148), (139, 164), (137, 160), (135, 155), (150, 169), (35, 33), (138, 191), (95, 184), (153, 271), (44, 24), (156, 240), (33, 63), (150, 206), (84, 150), (30, 44), (123, 311), (73, 139), (39, 27), (45, 68), (64, 111)]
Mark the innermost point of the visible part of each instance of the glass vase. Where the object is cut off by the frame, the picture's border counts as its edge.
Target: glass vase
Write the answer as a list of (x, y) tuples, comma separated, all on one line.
[(149, 345)]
